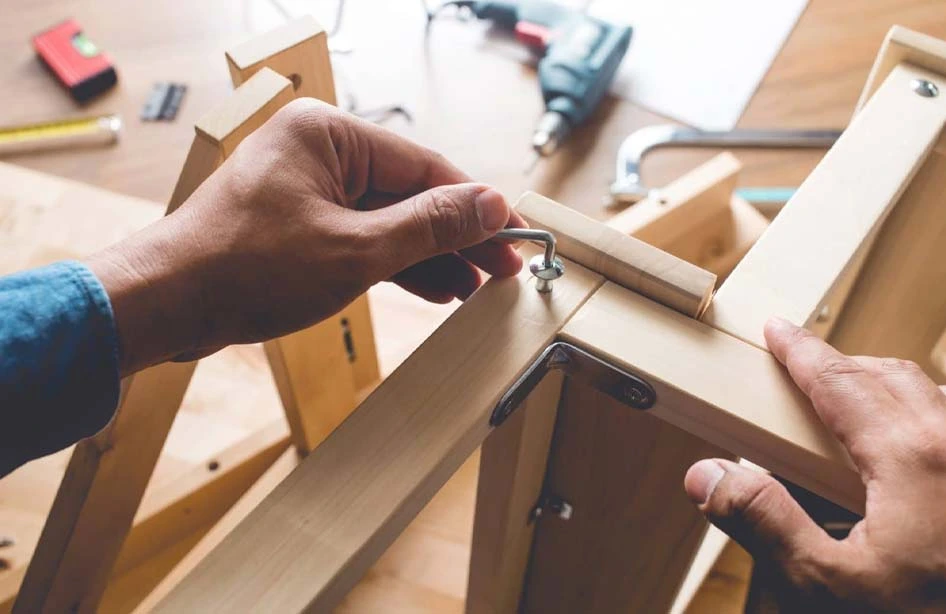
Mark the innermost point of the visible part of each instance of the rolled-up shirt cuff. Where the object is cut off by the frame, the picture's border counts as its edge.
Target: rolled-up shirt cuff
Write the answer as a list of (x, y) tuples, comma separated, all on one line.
[(59, 379)]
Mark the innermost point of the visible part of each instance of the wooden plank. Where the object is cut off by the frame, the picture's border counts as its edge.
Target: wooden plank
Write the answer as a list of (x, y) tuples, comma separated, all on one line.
[(297, 50), (712, 546), (799, 261), (311, 540), (275, 474), (315, 381), (356, 318), (512, 469), (91, 515), (320, 371), (748, 225), (903, 45), (698, 218), (897, 306), (719, 388), (633, 532), (682, 214), (201, 496), (620, 258)]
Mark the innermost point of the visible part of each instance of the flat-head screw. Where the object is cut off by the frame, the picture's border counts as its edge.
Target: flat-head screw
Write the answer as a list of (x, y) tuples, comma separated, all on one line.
[(924, 88)]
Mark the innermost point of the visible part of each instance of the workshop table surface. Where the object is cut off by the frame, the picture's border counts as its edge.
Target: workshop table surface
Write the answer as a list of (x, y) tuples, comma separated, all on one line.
[(472, 98)]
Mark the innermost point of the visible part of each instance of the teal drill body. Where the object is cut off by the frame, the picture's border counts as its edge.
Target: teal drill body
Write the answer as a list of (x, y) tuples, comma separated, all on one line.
[(581, 58)]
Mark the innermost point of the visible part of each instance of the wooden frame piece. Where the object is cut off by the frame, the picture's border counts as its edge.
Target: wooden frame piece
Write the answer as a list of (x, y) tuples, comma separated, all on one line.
[(781, 276), (625, 260), (360, 488), (698, 217), (340, 349), (298, 50), (632, 533), (378, 469), (60, 575), (511, 480), (203, 469), (862, 191), (91, 515)]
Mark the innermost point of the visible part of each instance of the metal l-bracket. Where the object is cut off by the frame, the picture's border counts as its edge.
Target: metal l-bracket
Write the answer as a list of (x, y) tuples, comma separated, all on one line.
[(575, 362)]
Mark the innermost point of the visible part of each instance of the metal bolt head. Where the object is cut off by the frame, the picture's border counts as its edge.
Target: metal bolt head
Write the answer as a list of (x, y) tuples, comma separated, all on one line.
[(545, 274), (924, 88)]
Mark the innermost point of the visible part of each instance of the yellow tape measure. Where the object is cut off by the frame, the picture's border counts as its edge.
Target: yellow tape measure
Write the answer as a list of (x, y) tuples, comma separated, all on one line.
[(77, 132)]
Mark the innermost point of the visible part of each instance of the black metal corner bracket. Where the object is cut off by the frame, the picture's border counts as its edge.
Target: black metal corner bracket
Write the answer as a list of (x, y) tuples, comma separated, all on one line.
[(575, 362)]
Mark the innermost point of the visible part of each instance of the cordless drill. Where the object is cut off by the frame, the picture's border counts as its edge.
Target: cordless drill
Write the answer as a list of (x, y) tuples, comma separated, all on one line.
[(581, 57)]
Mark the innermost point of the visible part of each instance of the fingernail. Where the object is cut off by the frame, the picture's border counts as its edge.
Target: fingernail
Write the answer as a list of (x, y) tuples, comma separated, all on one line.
[(492, 210), (777, 324), (702, 479)]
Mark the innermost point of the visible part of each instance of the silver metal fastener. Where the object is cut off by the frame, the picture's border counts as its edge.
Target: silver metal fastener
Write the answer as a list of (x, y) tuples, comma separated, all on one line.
[(546, 267), (924, 88)]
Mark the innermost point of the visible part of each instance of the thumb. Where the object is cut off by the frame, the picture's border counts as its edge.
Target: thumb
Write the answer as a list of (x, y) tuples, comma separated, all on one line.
[(441, 220), (756, 511)]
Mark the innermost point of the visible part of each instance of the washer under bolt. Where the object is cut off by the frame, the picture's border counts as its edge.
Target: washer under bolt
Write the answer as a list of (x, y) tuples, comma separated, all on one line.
[(924, 88), (546, 267)]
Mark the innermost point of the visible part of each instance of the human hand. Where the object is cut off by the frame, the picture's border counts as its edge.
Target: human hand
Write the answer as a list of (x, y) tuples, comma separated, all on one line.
[(309, 212), (891, 418)]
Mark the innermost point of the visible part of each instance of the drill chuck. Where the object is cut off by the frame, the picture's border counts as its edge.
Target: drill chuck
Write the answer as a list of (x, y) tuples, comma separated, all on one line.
[(551, 130)]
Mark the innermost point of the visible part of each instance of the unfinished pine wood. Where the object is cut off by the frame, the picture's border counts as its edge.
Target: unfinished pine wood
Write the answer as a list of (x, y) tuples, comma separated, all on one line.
[(706, 557), (747, 224), (698, 218), (633, 532), (719, 388), (897, 306), (298, 50), (275, 474), (333, 516), (622, 259), (814, 242), (320, 371), (91, 516), (512, 470), (903, 45), (682, 217)]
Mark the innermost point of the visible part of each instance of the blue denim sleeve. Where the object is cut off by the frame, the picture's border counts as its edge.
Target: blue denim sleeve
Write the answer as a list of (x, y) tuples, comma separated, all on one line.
[(59, 378)]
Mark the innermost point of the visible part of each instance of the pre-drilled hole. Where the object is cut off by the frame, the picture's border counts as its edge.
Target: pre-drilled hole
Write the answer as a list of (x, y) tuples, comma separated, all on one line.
[(213, 465), (296, 81)]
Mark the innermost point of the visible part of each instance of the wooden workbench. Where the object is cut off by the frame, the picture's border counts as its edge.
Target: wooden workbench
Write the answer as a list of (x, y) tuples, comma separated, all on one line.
[(466, 96)]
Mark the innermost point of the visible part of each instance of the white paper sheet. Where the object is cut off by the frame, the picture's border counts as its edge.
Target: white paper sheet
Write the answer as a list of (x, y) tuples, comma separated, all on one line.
[(698, 61)]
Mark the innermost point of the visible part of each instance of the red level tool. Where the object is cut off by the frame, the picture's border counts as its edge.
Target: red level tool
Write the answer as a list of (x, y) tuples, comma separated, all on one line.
[(75, 60)]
